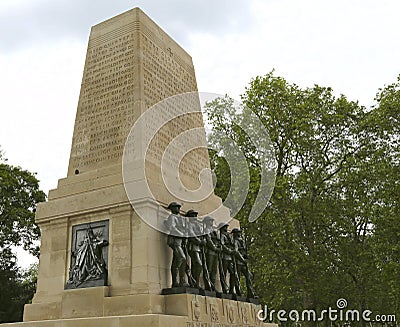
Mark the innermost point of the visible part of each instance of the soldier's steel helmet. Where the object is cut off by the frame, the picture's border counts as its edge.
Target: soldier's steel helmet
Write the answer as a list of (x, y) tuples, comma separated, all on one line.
[(236, 231), (222, 224), (191, 213), (173, 204)]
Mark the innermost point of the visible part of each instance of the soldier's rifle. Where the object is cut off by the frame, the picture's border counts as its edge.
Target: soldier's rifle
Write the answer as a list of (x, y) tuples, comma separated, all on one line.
[(235, 270), (206, 275), (222, 276), (185, 241)]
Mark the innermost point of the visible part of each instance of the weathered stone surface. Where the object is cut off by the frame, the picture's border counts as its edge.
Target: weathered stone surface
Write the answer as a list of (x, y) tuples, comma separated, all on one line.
[(150, 320), (131, 64)]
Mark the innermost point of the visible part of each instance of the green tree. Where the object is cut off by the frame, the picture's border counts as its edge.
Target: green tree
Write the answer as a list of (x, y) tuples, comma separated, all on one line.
[(17, 288), (19, 195), (383, 128), (317, 240)]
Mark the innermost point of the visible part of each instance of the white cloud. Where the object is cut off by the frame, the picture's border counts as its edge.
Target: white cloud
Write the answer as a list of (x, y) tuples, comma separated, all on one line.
[(43, 21), (349, 46), (40, 90)]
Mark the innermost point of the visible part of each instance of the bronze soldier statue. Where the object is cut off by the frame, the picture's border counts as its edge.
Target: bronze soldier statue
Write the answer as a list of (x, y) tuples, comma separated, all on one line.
[(212, 248), (176, 241), (241, 261), (228, 262), (194, 245)]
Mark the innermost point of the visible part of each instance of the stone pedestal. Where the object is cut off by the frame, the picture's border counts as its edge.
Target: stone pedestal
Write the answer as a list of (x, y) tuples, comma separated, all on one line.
[(179, 310), (138, 260), (117, 321), (138, 257), (96, 308)]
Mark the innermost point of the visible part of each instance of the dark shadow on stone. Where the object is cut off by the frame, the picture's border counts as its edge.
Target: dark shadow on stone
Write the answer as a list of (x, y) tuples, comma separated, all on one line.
[(254, 301), (239, 298), (208, 293), (179, 290), (224, 296)]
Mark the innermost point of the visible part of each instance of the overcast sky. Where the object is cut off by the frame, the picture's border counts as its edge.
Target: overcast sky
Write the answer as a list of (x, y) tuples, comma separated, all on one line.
[(352, 46)]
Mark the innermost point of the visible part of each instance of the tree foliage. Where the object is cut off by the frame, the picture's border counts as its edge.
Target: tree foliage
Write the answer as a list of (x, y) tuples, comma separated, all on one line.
[(19, 195), (17, 288), (331, 227)]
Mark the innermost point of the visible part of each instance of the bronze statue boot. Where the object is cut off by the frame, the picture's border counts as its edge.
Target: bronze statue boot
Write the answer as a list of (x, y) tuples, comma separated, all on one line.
[(175, 280), (183, 283)]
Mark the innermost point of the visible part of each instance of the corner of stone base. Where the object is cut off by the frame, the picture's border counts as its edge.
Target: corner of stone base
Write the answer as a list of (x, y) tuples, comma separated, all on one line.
[(92, 307)]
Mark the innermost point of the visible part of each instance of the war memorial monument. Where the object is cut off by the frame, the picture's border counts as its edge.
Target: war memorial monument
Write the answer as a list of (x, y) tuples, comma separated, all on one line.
[(101, 264)]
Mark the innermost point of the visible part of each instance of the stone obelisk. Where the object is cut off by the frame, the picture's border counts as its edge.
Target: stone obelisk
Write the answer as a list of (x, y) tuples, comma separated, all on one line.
[(131, 64)]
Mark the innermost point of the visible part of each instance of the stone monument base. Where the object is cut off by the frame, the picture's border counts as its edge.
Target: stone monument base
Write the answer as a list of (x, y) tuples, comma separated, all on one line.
[(175, 310), (116, 321)]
